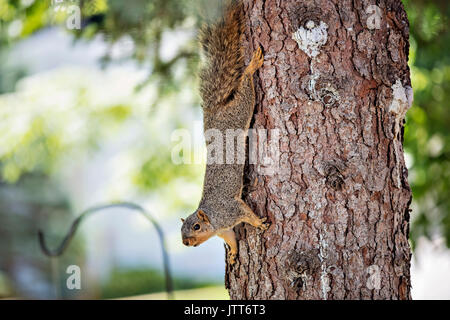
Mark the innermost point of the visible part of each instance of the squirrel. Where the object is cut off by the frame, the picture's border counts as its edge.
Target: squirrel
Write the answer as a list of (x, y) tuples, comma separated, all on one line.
[(228, 96)]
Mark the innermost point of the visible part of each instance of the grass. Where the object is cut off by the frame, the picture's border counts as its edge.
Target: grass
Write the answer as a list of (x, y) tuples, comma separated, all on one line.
[(208, 293)]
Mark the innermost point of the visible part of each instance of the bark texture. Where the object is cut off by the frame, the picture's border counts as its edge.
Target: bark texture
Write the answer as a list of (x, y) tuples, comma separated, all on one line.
[(339, 202)]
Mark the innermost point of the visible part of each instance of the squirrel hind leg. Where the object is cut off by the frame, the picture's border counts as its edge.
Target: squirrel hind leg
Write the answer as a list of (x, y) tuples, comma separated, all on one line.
[(230, 239), (251, 218)]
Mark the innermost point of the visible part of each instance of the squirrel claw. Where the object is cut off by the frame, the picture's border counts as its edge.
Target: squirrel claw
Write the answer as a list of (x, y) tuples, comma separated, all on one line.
[(264, 225)]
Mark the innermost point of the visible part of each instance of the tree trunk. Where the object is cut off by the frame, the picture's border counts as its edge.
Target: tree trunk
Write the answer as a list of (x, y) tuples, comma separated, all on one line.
[(335, 83)]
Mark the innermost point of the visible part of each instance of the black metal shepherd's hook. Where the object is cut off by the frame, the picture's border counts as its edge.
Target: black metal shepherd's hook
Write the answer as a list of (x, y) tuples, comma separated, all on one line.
[(66, 241)]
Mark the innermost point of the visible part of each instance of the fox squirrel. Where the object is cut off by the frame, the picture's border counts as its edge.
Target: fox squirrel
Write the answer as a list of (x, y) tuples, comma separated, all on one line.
[(228, 103)]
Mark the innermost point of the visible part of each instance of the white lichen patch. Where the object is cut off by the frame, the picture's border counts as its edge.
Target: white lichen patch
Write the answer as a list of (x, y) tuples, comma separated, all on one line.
[(324, 278), (311, 38), (402, 99), (324, 284)]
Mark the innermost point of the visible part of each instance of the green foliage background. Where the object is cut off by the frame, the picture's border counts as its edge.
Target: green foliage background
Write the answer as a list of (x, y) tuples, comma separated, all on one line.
[(427, 132)]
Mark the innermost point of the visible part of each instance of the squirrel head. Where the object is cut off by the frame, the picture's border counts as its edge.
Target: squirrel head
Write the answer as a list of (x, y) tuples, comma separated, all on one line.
[(196, 228)]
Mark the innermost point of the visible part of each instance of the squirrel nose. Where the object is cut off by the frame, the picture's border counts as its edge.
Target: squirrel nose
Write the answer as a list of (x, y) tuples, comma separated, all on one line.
[(186, 242)]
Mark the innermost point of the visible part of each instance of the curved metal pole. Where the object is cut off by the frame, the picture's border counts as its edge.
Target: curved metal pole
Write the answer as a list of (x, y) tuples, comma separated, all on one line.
[(128, 205)]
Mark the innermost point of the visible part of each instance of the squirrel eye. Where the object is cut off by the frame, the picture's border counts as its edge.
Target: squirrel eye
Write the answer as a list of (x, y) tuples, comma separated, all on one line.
[(196, 226)]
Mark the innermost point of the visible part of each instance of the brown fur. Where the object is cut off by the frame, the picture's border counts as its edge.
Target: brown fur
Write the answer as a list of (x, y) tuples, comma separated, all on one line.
[(228, 102)]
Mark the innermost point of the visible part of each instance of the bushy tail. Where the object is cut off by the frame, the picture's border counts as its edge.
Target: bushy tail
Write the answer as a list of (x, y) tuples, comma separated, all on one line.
[(222, 47)]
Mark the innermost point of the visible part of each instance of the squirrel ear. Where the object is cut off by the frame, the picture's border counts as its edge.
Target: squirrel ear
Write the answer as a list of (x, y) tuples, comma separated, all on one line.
[(182, 220), (202, 215)]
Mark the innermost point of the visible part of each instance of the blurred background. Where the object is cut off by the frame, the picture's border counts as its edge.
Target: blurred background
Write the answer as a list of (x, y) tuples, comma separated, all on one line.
[(90, 94)]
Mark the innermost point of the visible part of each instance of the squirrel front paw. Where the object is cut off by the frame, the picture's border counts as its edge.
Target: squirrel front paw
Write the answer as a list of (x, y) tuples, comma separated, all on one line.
[(264, 224)]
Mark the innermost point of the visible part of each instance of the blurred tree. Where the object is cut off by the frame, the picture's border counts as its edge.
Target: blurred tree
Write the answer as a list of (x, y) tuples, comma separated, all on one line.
[(39, 134), (137, 27), (25, 207), (427, 132)]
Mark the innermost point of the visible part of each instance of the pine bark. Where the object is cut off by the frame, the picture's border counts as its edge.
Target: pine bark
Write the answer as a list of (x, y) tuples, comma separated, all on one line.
[(339, 202)]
